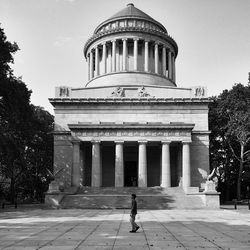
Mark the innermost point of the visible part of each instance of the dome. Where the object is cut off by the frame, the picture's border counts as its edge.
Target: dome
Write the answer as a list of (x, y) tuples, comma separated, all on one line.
[(130, 12), (130, 48)]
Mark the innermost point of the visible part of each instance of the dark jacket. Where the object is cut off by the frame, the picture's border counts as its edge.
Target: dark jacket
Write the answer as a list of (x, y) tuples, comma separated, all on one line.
[(134, 207)]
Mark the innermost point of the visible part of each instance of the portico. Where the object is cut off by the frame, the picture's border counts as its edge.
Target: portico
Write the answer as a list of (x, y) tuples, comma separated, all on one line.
[(141, 140)]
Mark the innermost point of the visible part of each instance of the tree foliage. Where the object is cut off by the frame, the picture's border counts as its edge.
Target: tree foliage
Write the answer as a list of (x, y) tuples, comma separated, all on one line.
[(229, 121), (25, 142)]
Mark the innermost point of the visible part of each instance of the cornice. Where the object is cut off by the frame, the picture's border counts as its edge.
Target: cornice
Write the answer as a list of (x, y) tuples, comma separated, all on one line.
[(160, 34), (135, 125), (125, 100)]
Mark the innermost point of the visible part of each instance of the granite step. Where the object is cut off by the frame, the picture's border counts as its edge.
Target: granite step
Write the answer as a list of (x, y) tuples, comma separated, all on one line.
[(119, 198)]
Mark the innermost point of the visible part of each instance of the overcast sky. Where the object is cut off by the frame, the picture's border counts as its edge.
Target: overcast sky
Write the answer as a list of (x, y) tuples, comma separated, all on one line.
[(213, 37)]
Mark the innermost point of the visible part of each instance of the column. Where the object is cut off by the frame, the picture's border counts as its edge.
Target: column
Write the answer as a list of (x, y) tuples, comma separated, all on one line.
[(135, 53), (97, 71), (142, 162), (119, 165), (169, 64), (113, 56), (88, 58), (104, 57), (96, 165), (91, 65), (75, 174), (164, 60), (156, 58), (186, 169), (124, 54), (165, 165), (146, 56), (117, 58), (173, 64)]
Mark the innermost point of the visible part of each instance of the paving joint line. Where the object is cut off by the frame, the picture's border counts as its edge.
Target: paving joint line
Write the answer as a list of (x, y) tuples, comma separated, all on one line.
[(91, 232), (198, 234), (144, 234), (118, 229), (44, 230), (168, 231)]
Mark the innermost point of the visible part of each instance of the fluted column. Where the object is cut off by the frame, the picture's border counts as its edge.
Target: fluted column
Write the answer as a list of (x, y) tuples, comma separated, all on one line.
[(173, 64), (88, 58), (146, 56), (117, 57), (164, 60), (91, 65), (113, 56), (165, 165), (156, 58), (97, 70), (104, 57), (75, 174), (96, 177), (169, 64), (142, 162), (186, 168), (135, 53), (119, 164), (124, 54)]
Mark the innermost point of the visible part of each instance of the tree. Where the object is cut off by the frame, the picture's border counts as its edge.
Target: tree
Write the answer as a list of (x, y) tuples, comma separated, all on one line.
[(25, 142), (229, 120)]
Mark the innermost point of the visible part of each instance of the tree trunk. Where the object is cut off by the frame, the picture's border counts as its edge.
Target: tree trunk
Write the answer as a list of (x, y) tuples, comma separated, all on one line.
[(240, 172), (12, 191)]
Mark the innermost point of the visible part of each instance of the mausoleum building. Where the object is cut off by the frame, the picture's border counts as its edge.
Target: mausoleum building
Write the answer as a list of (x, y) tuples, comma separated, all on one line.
[(131, 124)]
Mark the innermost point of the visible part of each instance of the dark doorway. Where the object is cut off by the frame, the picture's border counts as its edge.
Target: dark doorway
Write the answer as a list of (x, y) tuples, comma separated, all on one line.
[(130, 174)]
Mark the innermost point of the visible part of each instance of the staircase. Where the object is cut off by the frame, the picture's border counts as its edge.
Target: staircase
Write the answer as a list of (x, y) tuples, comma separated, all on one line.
[(147, 198)]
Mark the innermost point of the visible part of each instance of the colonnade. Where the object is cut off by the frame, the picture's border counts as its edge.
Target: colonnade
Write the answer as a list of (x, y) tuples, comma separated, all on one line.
[(109, 53), (96, 175)]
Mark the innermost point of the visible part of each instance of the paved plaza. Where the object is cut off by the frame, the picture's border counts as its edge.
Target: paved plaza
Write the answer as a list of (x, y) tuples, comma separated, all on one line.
[(109, 229)]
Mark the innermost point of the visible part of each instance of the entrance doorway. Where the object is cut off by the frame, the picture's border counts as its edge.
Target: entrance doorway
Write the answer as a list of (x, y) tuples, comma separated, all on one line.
[(130, 174)]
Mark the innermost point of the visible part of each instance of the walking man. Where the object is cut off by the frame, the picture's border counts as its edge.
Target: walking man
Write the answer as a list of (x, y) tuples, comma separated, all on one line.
[(133, 213)]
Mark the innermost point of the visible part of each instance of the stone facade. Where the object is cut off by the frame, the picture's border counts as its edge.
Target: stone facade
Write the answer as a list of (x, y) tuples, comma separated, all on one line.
[(131, 125)]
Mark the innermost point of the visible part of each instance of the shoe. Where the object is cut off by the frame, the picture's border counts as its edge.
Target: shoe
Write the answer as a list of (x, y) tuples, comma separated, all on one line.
[(132, 231), (137, 228)]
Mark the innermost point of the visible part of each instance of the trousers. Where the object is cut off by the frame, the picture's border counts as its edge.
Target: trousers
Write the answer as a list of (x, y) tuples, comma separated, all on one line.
[(132, 221)]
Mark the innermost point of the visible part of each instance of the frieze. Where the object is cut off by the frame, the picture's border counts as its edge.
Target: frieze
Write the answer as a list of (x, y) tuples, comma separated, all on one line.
[(131, 133)]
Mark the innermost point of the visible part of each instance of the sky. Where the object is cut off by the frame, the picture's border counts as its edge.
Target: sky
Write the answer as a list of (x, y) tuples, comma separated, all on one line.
[(213, 37)]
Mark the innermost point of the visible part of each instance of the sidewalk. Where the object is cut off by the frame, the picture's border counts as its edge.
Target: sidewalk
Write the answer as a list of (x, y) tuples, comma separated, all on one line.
[(109, 229)]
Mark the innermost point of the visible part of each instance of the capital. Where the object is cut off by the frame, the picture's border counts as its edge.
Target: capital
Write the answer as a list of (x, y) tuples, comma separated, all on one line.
[(142, 142)]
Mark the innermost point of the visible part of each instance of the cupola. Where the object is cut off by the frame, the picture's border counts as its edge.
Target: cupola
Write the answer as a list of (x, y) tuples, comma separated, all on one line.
[(131, 48)]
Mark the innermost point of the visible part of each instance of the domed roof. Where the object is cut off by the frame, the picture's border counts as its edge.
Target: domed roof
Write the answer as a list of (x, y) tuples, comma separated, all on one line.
[(131, 12)]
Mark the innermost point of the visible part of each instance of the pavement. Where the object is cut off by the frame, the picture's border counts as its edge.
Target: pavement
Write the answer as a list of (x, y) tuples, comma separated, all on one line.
[(27, 228)]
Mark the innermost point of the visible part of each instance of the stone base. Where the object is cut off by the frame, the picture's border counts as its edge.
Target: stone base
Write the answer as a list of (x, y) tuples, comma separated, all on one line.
[(53, 199), (211, 199)]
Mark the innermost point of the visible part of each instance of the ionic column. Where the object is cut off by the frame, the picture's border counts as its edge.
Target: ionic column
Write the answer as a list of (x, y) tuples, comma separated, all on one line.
[(75, 174), (173, 63), (169, 64), (88, 58), (146, 56), (164, 60), (165, 165), (186, 169), (124, 54), (135, 53), (104, 57), (142, 162), (117, 58), (96, 164), (91, 65), (119, 165), (113, 56), (97, 70), (156, 58)]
